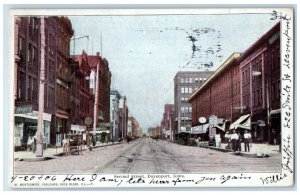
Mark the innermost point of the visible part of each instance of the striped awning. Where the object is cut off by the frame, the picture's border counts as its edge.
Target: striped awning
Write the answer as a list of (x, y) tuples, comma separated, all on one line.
[(243, 122), (221, 127)]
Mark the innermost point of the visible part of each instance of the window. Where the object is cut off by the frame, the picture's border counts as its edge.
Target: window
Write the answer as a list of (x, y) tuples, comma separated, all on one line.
[(190, 109), (190, 80), (29, 88), (182, 109), (182, 80), (190, 90), (182, 89), (196, 80), (186, 90)]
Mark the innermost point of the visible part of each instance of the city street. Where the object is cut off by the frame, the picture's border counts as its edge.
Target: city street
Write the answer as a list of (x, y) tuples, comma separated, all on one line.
[(149, 156)]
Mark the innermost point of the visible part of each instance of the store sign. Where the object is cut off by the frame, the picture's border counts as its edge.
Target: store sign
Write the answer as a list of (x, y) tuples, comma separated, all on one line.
[(62, 83), (92, 79), (213, 119), (88, 120), (23, 109)]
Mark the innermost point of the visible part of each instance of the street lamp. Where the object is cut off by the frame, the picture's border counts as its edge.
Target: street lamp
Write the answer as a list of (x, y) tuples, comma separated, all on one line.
[(80, 37)]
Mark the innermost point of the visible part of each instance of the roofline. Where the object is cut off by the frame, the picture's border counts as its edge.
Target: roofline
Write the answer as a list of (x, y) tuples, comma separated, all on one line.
[(233, 57), (263, 38), (192, 72)]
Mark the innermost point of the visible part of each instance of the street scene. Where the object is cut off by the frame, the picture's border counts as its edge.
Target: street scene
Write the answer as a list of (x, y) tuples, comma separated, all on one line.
[(147, 155), (113, 94)]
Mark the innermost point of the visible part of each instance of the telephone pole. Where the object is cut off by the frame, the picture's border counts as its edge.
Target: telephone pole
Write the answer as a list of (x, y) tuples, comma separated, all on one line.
[(96, 100), (40, 127)]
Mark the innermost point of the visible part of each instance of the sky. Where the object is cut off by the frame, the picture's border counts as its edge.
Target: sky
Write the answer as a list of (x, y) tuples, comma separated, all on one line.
[(146, 52)]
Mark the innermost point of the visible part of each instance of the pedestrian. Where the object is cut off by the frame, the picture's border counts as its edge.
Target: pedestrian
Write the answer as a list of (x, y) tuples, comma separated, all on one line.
[(227, 140), (247, 137), (274, 137), (234, 139), (239, 142), (29, 143), (218, 140)]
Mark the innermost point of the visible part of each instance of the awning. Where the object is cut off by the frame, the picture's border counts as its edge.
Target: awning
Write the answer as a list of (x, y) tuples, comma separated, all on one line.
[(222, 127), (63, 116), (201, 129), (34, 115), (275, 111), (77, 128), (243, 122)]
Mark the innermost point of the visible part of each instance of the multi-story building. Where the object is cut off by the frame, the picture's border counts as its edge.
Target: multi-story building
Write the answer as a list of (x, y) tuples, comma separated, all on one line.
[(185, 83), (58, 31), (219, 95), (104, 79), (133, 127), (167, 123), (245, 90), (260, 88), (114, 114), (123, 115), (81, 96), (58, 65)]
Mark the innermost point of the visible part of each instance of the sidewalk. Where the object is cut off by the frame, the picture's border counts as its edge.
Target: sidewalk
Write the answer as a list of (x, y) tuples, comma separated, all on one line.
[(50, 153), (256, 150)]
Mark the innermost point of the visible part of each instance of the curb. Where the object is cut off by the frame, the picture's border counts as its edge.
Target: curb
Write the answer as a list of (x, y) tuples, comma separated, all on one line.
[(243, 154), (37, 159)]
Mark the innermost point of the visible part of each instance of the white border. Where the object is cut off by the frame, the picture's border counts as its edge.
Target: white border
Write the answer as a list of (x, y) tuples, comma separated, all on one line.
[(219, 178)]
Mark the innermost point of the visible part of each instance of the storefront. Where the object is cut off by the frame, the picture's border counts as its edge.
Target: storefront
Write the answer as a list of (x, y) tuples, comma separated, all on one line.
[(26, 125)]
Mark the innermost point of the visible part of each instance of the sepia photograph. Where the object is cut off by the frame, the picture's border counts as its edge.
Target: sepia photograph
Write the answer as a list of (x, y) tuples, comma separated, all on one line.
[(151, 97)]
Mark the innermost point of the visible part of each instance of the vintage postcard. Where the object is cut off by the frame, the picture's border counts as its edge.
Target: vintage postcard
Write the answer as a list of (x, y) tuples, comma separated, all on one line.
[(151, 98)]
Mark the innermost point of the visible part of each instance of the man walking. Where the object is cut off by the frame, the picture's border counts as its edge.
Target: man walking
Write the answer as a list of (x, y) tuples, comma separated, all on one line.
[(247, 137), (234, 138)]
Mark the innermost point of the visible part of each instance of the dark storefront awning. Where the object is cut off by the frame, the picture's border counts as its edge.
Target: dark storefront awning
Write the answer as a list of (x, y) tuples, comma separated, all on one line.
[(243, 122), (221, 126)]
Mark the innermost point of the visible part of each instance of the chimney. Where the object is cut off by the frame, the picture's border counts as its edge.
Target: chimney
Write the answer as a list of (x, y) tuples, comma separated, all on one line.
[(97, 53)]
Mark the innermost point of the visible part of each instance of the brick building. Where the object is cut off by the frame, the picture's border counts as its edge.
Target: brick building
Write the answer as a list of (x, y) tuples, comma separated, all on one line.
[(167, 122), (123, 118), (58, 65), (219, 95), (104, 86), (185, 83), (115, 98), (134, 127), (58, 31), (260, 89), (245, 90), (81, 96)]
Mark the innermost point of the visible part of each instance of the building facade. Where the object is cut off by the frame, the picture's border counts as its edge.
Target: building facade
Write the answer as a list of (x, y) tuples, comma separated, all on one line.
[(167, 123), (81, 96), (133, 127), (245, 90), (114, 114), (58, 60), (219, 95), (123, 118), (104, 86), (185, 83), (260, 89), (27, 74)]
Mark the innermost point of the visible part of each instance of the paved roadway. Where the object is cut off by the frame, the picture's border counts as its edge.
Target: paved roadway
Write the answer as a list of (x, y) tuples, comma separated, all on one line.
[(149, 156)]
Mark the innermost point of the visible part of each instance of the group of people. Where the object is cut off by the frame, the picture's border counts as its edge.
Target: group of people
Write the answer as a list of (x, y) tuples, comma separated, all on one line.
[(235, 139)]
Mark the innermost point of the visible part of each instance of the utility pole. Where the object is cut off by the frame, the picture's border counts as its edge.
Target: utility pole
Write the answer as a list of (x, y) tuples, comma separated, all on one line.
[(113, 119), (40, 127), (124, 114), (96, 101)]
